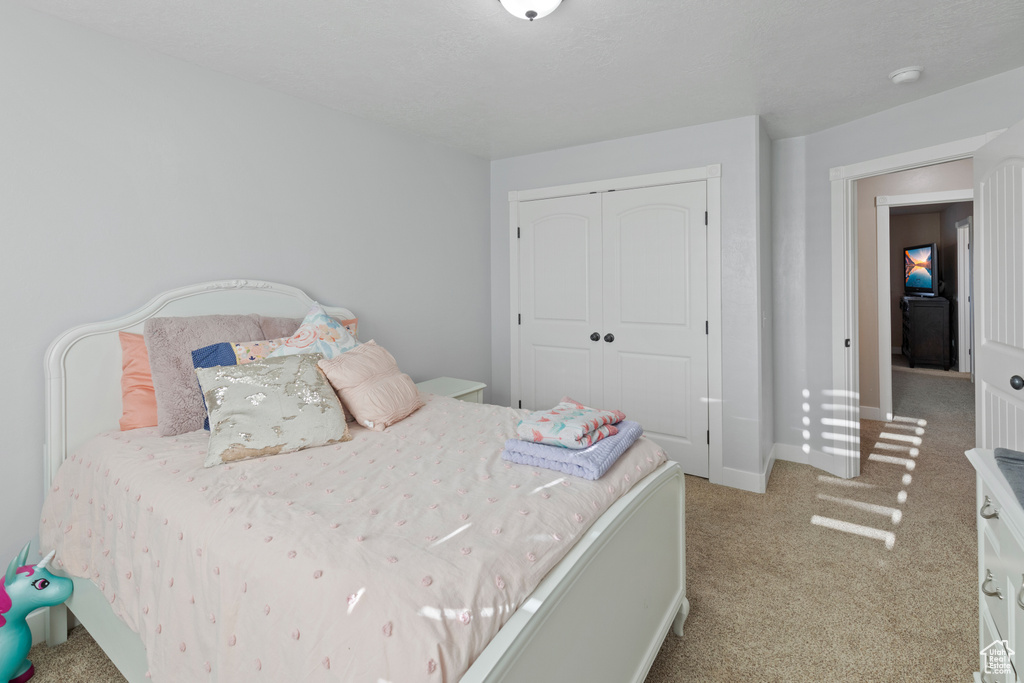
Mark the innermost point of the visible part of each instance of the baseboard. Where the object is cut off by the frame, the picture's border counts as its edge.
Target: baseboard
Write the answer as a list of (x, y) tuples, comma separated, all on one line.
[(756, 482), (871, 413), (36, 623), (791, 453), (818, 459)]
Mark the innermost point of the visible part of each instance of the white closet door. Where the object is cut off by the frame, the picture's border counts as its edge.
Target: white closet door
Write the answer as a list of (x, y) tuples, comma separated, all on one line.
[(655, 306), (999, 290), (560, 288)]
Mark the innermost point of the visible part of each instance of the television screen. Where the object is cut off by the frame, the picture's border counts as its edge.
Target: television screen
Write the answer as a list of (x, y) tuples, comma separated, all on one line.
[(920, 275)]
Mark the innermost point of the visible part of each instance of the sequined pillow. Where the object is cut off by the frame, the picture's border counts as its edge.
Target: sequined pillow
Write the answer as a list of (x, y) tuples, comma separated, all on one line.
[(318, 333), (270, 406)]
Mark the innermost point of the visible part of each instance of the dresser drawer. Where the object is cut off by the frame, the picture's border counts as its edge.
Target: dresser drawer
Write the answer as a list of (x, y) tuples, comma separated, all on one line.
[(1000, 524), (994, 584), (989, 636)]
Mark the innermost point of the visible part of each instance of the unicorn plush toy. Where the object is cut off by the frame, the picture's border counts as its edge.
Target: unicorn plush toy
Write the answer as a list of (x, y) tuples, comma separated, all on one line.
[(23, 589)]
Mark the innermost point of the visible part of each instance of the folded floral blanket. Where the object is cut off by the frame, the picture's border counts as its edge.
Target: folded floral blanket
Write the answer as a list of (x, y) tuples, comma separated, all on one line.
[(570, 424), (588, 463)]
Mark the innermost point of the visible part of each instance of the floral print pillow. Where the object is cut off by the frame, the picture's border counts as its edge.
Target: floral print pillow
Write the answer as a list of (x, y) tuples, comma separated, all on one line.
[(318, 333), (247, 352)]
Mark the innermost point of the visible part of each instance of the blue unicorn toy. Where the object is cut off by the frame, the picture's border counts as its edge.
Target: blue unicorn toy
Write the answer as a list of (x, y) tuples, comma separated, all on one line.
[(23, 589)]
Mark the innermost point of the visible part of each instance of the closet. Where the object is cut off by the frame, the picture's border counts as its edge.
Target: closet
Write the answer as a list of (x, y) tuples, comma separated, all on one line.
[(611, 289)]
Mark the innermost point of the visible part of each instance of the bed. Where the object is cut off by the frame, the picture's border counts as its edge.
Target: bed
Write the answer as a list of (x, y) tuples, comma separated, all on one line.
[(605, 592)]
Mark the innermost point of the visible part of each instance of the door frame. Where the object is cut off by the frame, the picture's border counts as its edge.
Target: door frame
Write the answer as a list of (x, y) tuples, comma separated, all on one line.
[(712, 175), (964, 296), (845, 359), (883, 204)]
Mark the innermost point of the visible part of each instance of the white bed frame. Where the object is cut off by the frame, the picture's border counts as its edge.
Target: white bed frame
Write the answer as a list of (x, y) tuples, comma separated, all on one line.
[(600, 615)]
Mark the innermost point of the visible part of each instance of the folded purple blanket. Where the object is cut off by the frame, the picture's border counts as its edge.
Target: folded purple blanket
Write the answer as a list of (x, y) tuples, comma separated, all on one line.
[(588, 463)]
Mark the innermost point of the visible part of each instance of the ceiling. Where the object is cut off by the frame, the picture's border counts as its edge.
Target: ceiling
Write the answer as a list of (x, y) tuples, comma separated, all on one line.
[(467, 74)]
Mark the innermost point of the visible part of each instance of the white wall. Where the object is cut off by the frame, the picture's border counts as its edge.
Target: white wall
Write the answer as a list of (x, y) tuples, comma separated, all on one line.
[(765, 304), (735, 145), (802, 223), (125, 173)]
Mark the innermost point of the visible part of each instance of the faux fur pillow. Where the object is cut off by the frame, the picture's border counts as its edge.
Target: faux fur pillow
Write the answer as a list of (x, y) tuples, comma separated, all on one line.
[(170, 342)]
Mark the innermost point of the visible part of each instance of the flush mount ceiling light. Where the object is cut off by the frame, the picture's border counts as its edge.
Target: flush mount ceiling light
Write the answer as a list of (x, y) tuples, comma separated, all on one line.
[(907, 74), (530, 9)]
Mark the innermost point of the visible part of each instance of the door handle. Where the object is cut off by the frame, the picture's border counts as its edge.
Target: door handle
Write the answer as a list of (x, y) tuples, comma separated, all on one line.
[(993, 513), (993, 593), (595, 337), (609, 337), (1017, 382)]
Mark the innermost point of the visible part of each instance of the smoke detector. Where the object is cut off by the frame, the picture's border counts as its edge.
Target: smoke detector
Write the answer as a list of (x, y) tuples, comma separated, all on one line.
[(907, 74)]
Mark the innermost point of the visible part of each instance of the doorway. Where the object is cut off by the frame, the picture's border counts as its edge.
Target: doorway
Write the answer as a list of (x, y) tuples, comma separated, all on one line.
[(846, 376), (929, 218)]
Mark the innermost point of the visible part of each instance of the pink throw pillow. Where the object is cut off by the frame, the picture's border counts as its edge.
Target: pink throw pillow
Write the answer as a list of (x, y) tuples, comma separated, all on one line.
[(138, 400), (371, 387)]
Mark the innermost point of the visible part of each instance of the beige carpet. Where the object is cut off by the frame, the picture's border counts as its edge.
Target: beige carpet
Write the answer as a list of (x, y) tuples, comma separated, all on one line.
[(775, 597)]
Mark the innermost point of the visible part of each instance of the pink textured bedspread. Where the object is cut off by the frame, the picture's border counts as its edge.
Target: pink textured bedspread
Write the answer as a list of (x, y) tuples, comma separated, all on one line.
[(394, 557)]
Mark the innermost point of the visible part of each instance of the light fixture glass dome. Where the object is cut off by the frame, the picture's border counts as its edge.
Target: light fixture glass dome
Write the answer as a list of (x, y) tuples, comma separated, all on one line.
[(530, 9)]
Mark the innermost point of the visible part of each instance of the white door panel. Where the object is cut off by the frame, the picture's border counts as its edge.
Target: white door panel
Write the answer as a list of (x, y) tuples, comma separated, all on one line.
[(655, 305), (560, 300), (999, 289), (630, 266), (559, 372)]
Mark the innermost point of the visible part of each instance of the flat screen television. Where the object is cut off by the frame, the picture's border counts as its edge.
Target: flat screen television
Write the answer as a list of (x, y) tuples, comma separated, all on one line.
[(920, 276)]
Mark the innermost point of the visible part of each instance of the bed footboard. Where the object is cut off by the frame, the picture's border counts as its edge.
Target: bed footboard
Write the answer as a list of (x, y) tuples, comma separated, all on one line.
[(603, 612)]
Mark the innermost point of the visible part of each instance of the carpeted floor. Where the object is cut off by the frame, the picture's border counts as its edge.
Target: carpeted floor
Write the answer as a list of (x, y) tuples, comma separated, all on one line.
[(777, 597)]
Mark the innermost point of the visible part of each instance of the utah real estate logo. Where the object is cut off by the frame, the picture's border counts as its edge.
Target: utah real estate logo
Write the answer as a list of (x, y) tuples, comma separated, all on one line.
[(996, 657)]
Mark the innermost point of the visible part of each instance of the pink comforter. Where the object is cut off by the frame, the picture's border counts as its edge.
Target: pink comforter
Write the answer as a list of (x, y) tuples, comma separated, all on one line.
[(394, 557)]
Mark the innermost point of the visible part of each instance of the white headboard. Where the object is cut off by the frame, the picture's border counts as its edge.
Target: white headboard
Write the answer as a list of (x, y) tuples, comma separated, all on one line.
[(83, 365)]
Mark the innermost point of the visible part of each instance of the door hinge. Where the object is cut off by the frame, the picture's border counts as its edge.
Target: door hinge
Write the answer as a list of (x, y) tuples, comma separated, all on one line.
[(520, 403), (705, 218), (847, 343), (519, 233), (520, 318), (709, 437), (706, 327)]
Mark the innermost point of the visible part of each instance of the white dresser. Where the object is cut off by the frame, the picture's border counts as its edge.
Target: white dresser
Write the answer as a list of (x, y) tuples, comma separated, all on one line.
[(462, 389), (1000, 520)]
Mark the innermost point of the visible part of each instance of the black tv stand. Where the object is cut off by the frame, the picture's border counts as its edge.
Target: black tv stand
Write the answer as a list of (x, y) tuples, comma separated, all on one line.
[(926, 330)]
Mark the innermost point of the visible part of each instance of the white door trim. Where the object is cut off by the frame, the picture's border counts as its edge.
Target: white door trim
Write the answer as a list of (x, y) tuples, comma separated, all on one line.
[(845, 364), (883, 204), (712, 174), (965, 300)]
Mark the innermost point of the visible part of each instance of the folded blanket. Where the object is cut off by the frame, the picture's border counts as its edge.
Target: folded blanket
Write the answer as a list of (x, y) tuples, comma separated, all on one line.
[(570, 424), (588, 463), (1011, 464)]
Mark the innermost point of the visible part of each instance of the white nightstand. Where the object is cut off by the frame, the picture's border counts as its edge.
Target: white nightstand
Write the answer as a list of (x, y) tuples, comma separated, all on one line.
[(462, 389)]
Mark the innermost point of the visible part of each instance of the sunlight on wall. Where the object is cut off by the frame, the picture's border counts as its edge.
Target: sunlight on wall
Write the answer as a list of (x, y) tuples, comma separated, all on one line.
[(844, 414)]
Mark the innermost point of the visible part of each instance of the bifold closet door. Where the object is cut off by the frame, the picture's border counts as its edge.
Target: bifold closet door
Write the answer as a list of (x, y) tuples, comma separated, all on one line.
[(613, 298), (655, 306), (560, 301)]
